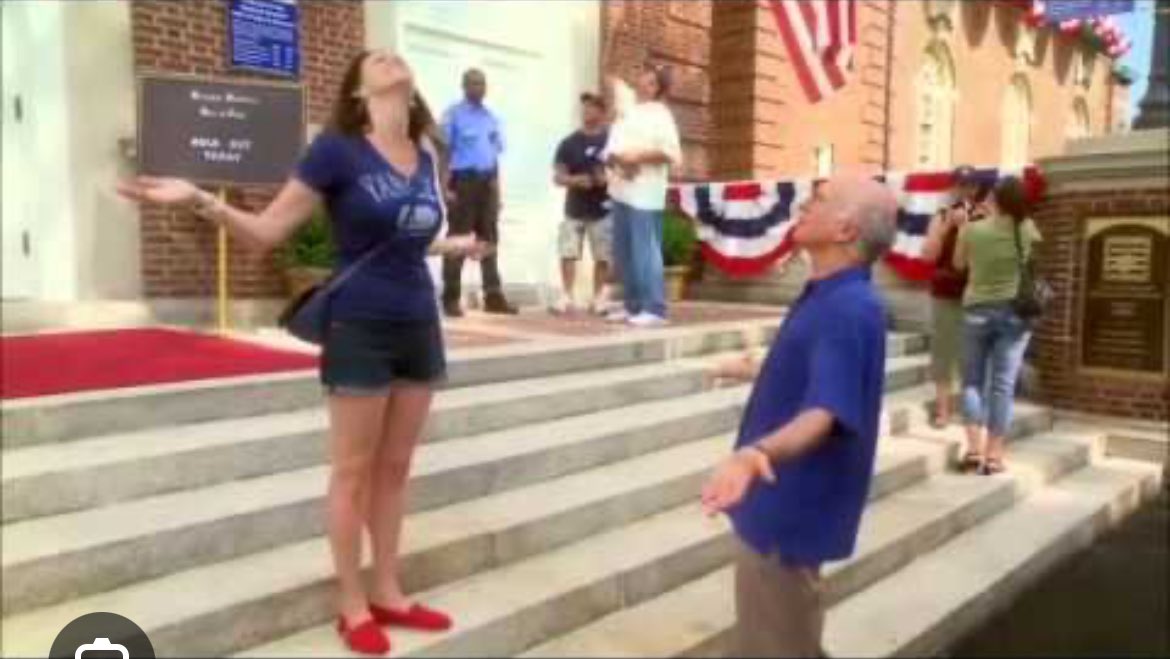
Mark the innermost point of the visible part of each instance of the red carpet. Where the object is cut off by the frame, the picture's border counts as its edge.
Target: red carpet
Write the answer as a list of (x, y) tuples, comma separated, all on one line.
[(84, 361)]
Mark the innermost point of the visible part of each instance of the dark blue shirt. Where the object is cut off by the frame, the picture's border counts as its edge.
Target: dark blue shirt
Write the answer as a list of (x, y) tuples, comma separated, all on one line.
[(475, 136), (829, 354), (580, 153), (371, 203)]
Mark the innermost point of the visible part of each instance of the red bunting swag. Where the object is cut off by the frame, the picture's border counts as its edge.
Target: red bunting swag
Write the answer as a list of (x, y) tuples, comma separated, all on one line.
[(744, 228)]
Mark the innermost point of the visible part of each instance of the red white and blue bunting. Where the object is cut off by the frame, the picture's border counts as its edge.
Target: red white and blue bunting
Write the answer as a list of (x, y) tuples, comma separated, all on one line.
[(744, 228)]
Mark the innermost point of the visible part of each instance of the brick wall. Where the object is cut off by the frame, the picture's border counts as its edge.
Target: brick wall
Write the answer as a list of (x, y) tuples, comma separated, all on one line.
[(1054, 352), (764, 126), (674, 32), (178, 249), (982, 43)]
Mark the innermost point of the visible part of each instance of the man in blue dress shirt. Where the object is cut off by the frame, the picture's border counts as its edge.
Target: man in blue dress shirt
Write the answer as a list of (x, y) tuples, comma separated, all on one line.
[(475, 137), (797, 483)]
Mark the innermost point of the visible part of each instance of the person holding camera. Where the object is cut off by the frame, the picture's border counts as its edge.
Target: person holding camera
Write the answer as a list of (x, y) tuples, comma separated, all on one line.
[(946, 289)]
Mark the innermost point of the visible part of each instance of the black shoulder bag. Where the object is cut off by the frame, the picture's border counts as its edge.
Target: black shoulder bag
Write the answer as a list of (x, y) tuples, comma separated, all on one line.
[(307, 316), (1034, 293)]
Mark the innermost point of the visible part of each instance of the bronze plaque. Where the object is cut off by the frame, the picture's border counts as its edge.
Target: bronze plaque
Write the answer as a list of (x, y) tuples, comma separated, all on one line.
[(1124, 314)]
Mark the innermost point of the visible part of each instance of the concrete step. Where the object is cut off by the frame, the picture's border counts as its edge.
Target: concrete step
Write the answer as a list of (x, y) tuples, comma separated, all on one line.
[(1028, 419), (216, 609), (49, 559), (71, 416), (980, 572), (1133, 439), (63, 477), (697, 618), (501, 612)]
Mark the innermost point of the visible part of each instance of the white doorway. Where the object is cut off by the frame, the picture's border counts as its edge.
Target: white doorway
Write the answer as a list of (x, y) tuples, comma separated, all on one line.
[(537, 57), (20, 266)]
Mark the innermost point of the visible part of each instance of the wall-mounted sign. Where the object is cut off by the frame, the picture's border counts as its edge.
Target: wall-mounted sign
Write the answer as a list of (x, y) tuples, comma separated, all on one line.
[(219, 132), (1057, 11), (264, 36), (1124, 313)]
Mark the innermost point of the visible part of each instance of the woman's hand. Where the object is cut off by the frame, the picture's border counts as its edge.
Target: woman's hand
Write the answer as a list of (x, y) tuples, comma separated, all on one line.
[(464, 245), (482, 250), (165, 191)]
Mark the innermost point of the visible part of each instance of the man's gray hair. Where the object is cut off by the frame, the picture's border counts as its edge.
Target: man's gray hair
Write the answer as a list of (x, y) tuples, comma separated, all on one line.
[(877, 229)]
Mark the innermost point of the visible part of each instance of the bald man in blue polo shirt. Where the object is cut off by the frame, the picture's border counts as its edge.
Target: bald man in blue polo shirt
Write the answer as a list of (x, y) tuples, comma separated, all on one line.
[(799, 478)]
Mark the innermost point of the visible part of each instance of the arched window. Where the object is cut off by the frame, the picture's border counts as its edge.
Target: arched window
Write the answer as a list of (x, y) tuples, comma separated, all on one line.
[(1078, 123), (1017, 122), (936, 109)]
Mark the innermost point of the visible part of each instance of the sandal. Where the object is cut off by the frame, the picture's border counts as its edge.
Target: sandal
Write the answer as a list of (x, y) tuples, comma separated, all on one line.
[(970, 461), (992, 466)]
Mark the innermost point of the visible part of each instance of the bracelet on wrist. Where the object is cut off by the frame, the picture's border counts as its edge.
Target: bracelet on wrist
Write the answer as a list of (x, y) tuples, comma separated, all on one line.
[(755, 448), (207, 205)]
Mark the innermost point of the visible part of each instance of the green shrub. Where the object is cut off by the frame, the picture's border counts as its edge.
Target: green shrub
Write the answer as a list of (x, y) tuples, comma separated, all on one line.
[(312, 244), (679, 240)]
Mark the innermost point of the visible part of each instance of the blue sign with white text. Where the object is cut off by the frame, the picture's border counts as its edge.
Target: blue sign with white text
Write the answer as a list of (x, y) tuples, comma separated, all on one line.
[(1063, 10), (265, 36)]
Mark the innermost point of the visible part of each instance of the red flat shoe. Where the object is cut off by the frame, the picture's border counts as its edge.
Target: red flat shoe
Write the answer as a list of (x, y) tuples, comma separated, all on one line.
[(416, 617), (366, 638)]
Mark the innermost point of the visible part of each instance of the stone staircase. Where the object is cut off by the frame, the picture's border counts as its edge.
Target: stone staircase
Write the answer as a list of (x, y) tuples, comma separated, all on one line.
[(553, 510)]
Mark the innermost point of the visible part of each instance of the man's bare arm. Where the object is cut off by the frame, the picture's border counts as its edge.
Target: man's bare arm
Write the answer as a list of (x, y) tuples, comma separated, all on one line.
[(797, 437)]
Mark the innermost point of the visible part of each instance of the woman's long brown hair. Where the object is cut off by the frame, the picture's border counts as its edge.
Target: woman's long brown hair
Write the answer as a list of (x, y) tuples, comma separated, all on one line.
[(351, 117), (1012, 198)]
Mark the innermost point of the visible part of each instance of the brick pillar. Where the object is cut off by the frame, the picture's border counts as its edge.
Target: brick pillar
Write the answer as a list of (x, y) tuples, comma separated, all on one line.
[(190, 37), (1119, 177), (733, 86)]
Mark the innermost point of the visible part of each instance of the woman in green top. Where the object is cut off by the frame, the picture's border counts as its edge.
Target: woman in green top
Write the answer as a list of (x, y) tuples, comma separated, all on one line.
[(994, 335)]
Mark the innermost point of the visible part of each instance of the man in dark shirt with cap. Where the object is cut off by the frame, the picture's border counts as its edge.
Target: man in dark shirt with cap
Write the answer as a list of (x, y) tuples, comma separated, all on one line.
[(580, 169)]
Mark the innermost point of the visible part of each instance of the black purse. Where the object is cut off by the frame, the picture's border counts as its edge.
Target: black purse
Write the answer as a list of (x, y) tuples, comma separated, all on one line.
[(1034, 293), (307, 315)]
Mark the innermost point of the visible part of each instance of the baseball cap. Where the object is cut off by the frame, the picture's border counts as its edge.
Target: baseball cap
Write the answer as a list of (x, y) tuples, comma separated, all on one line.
[(593, 99), (965, 174)]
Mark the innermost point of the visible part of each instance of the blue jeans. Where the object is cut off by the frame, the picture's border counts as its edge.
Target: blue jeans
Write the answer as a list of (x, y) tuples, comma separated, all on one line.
[(637, 254), (994, 341)]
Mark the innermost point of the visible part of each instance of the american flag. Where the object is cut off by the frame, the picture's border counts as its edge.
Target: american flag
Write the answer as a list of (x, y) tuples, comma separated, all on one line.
[(819, 36)]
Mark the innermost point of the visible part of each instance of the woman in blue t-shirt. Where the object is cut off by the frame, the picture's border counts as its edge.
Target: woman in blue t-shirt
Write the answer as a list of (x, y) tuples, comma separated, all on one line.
[(377, 170)]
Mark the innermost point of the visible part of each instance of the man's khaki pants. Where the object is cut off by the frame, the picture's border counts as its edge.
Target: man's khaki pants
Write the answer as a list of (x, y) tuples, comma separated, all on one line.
[(779, 608)]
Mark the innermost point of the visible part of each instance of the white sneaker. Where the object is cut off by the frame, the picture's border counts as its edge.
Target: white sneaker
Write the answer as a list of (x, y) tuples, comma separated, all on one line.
[(601, 304), (618, 315), (646, 319), (564, 304)]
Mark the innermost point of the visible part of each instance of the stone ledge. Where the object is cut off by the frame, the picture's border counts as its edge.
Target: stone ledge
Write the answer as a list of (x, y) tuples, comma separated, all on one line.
[(1141, 158)]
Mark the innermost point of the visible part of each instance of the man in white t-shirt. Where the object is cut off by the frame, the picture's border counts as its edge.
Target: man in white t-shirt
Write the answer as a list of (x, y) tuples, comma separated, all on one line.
[(643, 145)]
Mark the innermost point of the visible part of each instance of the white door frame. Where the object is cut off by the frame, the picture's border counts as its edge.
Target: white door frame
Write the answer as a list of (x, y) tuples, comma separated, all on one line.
[(557, 49), (20, 267)]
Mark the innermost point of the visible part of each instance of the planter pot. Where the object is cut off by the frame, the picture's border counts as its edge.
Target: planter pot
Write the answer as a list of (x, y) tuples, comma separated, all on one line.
[(300, 279), (676, 282)]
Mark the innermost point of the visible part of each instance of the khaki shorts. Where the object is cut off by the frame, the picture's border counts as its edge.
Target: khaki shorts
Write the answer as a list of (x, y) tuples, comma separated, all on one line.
[(571, 241), (779, 608), (946, 340)]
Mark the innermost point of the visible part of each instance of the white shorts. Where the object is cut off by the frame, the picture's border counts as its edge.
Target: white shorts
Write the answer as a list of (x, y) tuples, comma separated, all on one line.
[(571, 241)]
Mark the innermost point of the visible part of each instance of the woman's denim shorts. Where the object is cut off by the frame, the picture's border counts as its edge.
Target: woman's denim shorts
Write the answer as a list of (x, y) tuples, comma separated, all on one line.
[(365, 357)]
